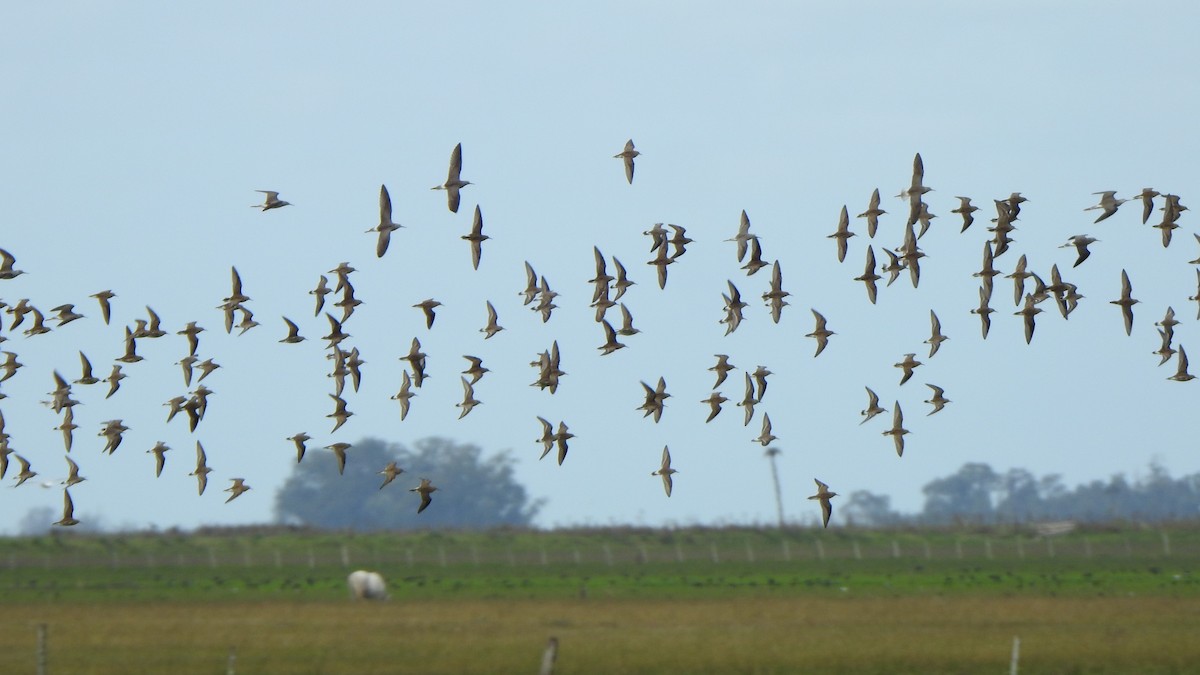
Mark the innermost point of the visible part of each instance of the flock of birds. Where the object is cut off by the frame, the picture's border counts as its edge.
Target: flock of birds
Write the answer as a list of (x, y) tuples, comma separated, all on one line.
[(667, 245)]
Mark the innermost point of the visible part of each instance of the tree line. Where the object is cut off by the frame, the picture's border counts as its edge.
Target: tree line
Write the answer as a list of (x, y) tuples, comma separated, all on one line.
[(978, 494)]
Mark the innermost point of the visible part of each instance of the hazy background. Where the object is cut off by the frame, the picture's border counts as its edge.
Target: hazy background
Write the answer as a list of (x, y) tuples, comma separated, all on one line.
[(135, 134)]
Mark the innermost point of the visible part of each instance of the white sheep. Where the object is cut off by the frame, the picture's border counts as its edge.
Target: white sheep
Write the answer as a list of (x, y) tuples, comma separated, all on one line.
[(366, 585)]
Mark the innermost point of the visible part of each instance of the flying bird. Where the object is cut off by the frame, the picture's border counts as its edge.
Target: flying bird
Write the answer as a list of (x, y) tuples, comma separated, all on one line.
[(425, 489), (1126, 302), (872, 214), (389, 474), (469, 401), (1108, 203), (665, 471), (202, 469), (722, 369), (299, 440), (386, 225), (873, 407), (1181, 372), (766, 436), (627, 155), (869, 277), (6, 266), (427, 307), (1028, 311), (842, 234), (821, 333), (823, 496), (476, 237), (103, 297), (454, 182), (966, 209), (339, 451), (160, 457), (1080, 242), (68, 518), (271, 201), (936, 338), (907, 365), (938, 400), (897, 431), (239, 486)]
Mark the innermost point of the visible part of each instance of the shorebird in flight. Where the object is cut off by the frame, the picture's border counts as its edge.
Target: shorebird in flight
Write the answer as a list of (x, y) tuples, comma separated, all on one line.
[(339, 451), (202, 469), (872, 214), (873, 407), (454, 182), (823, 496), (272, 201), (665, 471), (1126, 302), (68, 517), (627, 155), (386, 225), (1108, 203), (936, 338), (389, 473), (239, 486), (897, 431), (425, 489)]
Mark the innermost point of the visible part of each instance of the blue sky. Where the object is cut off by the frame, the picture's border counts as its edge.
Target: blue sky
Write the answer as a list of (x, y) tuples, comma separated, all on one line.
[(136, 134)]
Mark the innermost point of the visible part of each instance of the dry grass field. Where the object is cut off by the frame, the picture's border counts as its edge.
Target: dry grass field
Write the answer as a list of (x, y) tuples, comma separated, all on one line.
[(759, 634)]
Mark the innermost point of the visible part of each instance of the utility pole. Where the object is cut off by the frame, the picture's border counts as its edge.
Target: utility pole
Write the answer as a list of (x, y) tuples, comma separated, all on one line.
[(771, 453)]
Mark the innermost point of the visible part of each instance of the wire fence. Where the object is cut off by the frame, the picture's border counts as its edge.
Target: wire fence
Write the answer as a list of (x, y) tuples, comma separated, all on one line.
[(724, 549)]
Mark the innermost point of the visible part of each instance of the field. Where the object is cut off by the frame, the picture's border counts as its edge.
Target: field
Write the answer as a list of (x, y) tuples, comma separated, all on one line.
[(636, 601)]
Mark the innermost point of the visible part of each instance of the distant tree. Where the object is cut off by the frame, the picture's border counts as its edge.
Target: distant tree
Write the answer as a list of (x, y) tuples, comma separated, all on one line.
[(1018, 498), (869, 509), (473, 492), (966, 495), (37, 521)]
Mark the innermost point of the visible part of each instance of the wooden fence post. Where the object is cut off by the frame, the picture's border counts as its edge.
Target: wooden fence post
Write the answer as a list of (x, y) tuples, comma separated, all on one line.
[(42, 629)]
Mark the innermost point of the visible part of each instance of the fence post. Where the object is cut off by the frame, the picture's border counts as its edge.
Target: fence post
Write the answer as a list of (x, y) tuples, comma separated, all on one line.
[(1016, 656), (678, 552), (749, 551), (575, 554), (42, 629), (857, 550), (987, 548), (820, 549), (345, 556), (231, 662), (712, 547), (1166, 543), (895, 549), (608, 559), (543, 549), (643, 556), (312, 558)]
